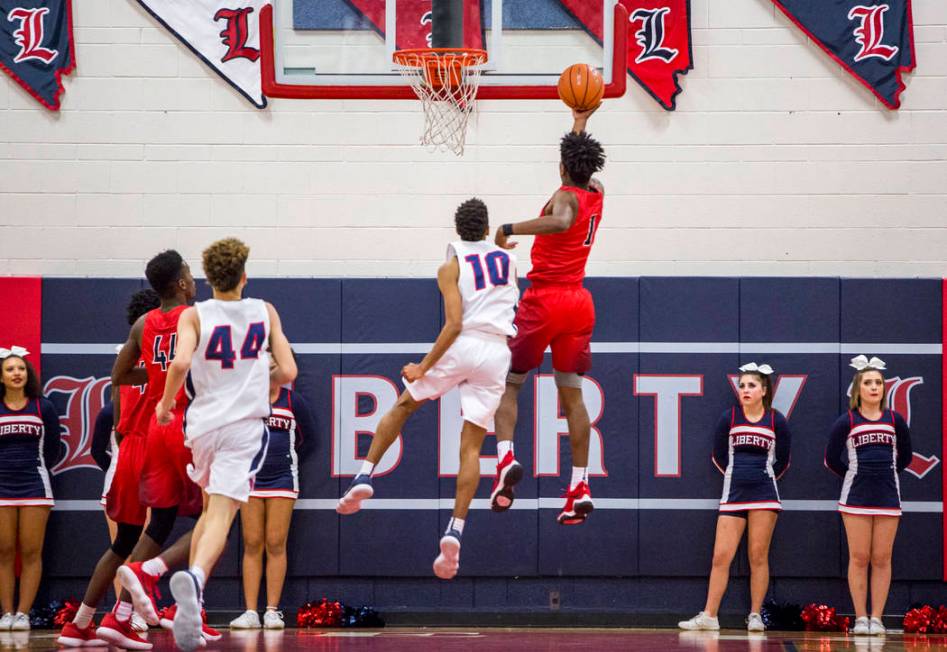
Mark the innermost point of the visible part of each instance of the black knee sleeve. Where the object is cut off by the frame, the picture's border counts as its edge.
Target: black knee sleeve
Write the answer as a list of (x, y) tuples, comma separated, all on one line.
[(161, 523), (125, 539)]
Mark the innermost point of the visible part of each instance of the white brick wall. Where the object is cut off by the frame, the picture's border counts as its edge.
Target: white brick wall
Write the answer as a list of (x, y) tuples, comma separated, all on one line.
[(775, 163)]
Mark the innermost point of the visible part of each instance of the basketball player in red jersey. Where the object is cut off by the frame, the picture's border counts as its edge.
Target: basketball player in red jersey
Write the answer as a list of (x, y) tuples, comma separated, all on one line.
[(557, 311)]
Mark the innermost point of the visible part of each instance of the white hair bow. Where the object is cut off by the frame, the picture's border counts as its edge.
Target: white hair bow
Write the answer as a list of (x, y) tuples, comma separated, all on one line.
[(752, 367), (18, 351), (861, 362)]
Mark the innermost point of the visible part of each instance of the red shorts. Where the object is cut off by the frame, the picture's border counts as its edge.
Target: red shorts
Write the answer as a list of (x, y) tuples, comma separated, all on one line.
[(164, 480), (122, 501), (557, 316)]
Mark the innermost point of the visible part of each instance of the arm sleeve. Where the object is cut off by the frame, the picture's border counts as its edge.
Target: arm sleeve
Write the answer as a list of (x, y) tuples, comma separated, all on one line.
[(721, 452), (52, 437), (305, 426), (783, 444), (905, 450), (834, 460), (101, 436)]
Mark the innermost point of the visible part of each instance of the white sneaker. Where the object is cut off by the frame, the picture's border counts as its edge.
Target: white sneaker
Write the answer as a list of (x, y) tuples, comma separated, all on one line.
[(247, 620), (876, 627), (6, 622), (754, 623), (448, 562), (186, 591), (861, 626), (273, 619), (700, 621), (21, 622)]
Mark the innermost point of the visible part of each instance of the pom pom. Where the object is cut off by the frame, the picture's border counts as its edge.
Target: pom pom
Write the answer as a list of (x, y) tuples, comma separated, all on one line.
[(781, 616), (822, 618), (939, 621), (320, 614), (919, 620), (66, 613)]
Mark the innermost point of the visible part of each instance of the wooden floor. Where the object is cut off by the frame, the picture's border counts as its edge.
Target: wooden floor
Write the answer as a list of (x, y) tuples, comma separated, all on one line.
[(400, 639)]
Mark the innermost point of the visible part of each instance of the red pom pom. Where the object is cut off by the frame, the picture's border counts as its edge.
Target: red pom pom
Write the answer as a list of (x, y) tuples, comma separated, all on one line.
[(939, 621), (67, 613), (822, 618), (919, 621), (322, 614)]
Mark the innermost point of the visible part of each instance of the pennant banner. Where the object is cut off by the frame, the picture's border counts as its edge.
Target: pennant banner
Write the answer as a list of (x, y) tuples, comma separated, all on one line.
[(225, 34), (414, 22), (872, 39), (36, 47), (659, 42)]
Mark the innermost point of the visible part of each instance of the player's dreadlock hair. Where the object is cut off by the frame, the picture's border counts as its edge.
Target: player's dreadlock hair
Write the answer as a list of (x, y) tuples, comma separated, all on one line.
[(164, 271), (224, 262), (140, 303), (471, 220), (582, 156)]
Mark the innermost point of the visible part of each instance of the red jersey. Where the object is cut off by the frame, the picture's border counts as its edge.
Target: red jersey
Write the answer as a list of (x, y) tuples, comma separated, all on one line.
[(158, 341), (131, 405), (559, 258)]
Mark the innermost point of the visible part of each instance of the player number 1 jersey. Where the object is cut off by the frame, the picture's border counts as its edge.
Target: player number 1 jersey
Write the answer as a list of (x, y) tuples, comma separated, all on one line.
[(229, 380), (487, 284)]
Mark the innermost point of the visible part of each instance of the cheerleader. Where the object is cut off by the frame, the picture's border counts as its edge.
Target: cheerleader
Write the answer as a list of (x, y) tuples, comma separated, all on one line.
[(265, 519), (869, 446), (751, 449), (30, 439)]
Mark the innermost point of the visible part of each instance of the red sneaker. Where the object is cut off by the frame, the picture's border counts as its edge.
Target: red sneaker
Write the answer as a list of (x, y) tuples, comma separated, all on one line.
[(120, 634), (142, 587), (72, 636), (509, 472), (166, 620), (578, 505)]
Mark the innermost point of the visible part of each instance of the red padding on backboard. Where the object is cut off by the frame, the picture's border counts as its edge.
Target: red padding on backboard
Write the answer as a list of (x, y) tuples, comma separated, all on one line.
[(943, 415), (21, 320)]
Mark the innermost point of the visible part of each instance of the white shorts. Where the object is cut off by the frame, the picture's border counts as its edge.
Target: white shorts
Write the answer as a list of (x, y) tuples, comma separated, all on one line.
[(477, 364), (226, 460)]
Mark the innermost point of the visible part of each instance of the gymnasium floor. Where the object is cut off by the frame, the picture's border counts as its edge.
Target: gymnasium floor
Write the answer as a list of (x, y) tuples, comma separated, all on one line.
[(402, 639)]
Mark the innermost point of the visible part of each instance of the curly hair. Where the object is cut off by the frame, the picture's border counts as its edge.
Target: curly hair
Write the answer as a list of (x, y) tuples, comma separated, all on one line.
[(471, 220), (141, 302), (582, 156), (32, 387), (164, 271), (224, 262)]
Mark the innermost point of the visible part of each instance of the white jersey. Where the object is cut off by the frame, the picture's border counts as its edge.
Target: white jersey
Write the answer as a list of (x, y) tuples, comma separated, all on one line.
[(229, 380), (487, 285)]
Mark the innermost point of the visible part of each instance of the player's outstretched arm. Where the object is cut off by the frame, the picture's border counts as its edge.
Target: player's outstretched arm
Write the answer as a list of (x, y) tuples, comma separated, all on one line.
[(580, 118), (564, 208), (125, 369), (188, 330), (447, 277), (285, 371)]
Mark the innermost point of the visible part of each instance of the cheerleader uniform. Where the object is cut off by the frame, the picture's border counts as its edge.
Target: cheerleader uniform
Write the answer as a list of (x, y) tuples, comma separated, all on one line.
[(869, 455), (104, 447), (290, 424), (752, 457), (29, 443)]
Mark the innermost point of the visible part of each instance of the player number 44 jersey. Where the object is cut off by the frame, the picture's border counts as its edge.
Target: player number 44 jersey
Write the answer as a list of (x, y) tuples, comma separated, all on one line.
[(229, 380), (487, 284)]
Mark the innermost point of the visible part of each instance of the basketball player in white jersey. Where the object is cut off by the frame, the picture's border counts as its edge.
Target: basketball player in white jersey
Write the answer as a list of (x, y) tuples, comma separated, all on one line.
[(478, 283), (222, 350)]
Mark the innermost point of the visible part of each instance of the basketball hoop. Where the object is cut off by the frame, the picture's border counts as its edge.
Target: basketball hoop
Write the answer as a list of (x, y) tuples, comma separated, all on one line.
[(446, 82)]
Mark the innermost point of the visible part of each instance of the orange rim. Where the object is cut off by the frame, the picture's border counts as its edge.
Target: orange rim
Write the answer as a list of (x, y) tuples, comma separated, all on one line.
[(423, 57)]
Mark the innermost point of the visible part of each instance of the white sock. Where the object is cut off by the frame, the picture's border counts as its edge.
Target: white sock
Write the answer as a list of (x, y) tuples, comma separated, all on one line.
[(199, 574), (123, 611), (503, 447), (367, 468), (579, 474), (83, 616), (455, 524), (155, 567)]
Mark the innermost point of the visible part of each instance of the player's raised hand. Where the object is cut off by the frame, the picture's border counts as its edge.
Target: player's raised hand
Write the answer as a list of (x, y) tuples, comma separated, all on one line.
[(412, 372), (503, 241), (579, 118), (163, 413)]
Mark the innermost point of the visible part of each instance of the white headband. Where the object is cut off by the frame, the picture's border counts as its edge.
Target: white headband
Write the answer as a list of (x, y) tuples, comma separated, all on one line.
[(752, 367), (861, 362), (18, 351)]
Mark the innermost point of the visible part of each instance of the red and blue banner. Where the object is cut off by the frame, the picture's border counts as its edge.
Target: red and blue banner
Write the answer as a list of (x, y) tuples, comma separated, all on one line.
[(36, 46), (659, 42), (872, 39)]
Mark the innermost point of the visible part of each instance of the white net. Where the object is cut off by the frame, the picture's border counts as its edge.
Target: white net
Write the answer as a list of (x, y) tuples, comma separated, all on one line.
[(446, 82)]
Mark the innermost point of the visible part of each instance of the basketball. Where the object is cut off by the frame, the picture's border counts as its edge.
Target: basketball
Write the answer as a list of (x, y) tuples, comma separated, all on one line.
[(581, 86)]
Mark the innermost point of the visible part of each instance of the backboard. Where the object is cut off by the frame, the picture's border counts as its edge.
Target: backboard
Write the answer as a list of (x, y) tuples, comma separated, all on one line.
[(342, 49)]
